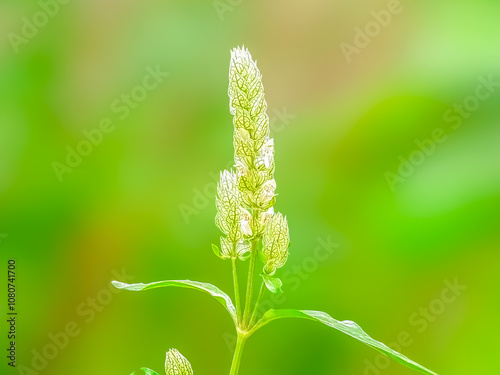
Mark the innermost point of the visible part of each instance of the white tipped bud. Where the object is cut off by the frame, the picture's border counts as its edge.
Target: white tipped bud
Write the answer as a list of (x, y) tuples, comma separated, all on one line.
[(228, 203), (232, 219), (241, 168), (266, 192), (177, 364), (264, 218), (267, 153), (246, 94), (275, 243), (246, 222)]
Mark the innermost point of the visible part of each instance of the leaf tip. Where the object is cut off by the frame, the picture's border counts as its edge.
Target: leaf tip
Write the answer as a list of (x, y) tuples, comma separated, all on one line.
[(119, 284)]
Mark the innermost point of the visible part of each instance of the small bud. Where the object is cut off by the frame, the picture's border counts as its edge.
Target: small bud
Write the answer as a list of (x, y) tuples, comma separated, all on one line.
[(261, 220), (246, 222), (266, 154), (275, 243), (228, 203), (264, 218), (266, 192), (177, 364), (241, 167)]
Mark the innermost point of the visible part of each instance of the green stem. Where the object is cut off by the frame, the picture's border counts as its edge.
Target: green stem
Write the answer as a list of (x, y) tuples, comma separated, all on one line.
[(238, 351), (236, 290), (251, 270), (256, 308)]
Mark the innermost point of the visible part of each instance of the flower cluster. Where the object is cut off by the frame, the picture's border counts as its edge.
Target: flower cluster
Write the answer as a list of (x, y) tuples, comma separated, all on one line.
[(245, 198), (253, 150)]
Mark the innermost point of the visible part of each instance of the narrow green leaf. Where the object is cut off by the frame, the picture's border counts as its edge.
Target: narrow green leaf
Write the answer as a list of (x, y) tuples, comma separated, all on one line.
[(272, 283), (216, 251), (262, 257), (218, 294), (348, 327)]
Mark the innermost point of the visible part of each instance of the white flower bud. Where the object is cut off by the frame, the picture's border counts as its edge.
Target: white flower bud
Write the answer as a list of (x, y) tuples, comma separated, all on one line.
[(246, 222), (275, 243), (241, 167), (177, 364), (261, 220), (266, 154), (265, 216), (266, 192), (246, 93), (228, 203)]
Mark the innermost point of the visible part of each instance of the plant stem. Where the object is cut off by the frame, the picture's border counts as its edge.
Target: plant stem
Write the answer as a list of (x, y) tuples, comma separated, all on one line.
[(251, 270), (235, 366), (236, 290), (256, 308)]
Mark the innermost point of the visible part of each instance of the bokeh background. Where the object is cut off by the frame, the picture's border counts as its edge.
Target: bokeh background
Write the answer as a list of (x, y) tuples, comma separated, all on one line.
[(141, 203)]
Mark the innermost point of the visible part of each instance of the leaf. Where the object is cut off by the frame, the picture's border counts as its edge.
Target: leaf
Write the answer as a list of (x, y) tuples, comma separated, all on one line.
[(219, 295), (216, 251), (147, 371), (262, 257), (348, 327), (272, 283)]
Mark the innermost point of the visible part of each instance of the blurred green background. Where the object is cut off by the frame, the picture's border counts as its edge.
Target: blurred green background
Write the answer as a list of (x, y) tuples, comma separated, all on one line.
[(141, 201)]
